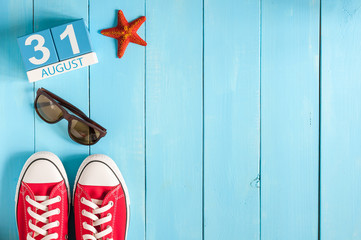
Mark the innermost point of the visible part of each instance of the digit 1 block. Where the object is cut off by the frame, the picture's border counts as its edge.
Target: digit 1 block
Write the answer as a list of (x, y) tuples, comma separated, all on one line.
[(37, 50), (71, 39)]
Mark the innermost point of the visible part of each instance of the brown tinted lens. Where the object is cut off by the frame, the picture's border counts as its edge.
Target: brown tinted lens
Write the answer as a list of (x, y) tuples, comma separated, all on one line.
[(47, 109), (82, 133)]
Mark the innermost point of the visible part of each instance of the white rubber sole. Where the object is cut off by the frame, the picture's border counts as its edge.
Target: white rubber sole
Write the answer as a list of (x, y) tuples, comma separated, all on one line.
[(41, 156), (113, 166)]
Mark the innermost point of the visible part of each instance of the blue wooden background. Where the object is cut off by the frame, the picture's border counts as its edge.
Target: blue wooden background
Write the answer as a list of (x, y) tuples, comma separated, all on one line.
[(241, 119)]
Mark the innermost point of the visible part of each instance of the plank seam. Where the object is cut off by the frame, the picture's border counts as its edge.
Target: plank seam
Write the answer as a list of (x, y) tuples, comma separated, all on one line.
[(202, 120), (145, 123), (89, 147), (319, 122), (34, 114), (260, 119)]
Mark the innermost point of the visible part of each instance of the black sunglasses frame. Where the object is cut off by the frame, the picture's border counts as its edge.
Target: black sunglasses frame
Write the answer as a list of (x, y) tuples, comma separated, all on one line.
[(62, 104)]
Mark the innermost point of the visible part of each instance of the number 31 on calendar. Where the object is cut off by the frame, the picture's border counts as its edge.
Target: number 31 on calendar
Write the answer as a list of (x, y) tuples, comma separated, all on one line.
[(53, 51)]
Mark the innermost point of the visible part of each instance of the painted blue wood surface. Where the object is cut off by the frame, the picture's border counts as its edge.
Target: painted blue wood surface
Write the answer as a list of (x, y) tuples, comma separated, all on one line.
[(174, 120), (231, 119), (16, 113), (225, 90), (117, 102), (289, 119), (341, 120)]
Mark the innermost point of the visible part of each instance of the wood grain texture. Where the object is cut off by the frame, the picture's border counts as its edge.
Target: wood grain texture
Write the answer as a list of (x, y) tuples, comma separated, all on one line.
[(231, 119), (341, 120), (289, 120), (117, 102), (16, 114), (174, 120)]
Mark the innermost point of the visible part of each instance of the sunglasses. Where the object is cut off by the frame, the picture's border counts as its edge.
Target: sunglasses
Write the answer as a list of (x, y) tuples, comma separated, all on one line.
[(52, 109)]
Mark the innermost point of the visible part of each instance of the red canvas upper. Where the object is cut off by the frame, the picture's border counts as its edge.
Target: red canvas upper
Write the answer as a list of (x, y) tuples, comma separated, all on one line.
[(52, 190), (106, 194)]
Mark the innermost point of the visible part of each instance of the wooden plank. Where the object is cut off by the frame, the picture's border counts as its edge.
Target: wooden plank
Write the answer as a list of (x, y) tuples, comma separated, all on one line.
[(289, 119), (341, 120), (174, 120), (16, 113), (231, 119), (117, 102), (72, 86)]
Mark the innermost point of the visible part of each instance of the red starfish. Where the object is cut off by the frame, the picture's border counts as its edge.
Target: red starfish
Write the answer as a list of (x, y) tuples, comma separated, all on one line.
[(125, 32)]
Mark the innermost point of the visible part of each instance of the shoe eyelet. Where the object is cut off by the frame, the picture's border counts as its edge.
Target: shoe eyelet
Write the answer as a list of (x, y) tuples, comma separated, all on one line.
[(27, 197), (82, 200), (109, 214), (111, 203), (84, 224), (83, 212), (59, 198), (57, 236), (57, 223), (66, 236), (58, 211)]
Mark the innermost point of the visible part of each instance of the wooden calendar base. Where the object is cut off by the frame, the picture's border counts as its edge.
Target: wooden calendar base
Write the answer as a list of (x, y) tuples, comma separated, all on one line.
[(62, 67)]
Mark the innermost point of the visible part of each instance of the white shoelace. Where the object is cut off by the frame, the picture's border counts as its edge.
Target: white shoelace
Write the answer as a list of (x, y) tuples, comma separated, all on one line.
[(94, 204), (42, 203)]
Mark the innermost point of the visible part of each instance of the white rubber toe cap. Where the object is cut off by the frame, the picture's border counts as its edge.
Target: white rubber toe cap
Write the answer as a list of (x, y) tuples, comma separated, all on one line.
[(43, 168), (98, 172)]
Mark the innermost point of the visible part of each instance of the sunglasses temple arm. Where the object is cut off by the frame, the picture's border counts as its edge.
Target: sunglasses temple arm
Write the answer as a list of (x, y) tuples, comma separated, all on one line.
[(80, 114), (75, 110)]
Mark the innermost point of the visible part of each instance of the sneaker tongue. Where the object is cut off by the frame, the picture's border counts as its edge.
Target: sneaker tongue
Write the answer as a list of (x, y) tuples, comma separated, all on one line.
[(42, 189), (97, 192)]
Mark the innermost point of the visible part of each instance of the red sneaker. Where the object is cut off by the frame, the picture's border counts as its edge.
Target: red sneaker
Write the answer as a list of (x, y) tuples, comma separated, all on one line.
[(101, 200), (42, 199)]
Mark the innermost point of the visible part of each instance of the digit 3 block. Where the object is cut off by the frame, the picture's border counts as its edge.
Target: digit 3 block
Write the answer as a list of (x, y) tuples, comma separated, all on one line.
[(57, 50), (38, 50)]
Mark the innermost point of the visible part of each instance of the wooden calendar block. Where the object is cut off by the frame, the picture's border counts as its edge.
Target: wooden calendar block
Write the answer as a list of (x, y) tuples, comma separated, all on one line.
[(37, 50), (71, 39), (57, 50)]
